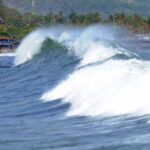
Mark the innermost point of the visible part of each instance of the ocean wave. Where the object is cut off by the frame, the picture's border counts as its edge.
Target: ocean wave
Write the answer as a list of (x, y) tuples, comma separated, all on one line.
[(108, 78)]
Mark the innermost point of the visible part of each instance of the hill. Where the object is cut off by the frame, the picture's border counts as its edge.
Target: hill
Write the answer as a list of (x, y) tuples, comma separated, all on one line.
[(105, 7)]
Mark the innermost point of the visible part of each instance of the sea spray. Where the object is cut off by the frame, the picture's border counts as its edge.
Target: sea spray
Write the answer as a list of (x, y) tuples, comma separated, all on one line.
[(77, 40)]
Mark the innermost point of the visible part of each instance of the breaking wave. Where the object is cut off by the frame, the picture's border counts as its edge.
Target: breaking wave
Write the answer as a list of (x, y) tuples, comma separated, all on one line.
[(108, 78)]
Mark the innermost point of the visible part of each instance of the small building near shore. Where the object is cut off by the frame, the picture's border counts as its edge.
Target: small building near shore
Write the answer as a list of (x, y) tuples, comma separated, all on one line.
[(1, 21), (7, 44)]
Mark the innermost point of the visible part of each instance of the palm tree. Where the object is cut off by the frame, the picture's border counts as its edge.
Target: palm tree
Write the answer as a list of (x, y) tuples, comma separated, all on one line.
[(33, 6), (1, 9)]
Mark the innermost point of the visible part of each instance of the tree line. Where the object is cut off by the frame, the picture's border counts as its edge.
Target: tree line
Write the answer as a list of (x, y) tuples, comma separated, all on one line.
[(18, 25)]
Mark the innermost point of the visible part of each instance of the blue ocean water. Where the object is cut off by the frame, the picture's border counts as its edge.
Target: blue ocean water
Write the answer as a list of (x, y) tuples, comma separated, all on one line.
[(75, 100)]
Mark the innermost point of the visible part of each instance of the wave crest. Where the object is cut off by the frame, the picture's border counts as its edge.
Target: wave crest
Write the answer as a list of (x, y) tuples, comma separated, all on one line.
[(79, 41)]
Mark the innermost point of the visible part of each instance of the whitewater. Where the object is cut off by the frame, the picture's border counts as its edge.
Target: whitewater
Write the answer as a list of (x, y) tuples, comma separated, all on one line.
[(76, 88)]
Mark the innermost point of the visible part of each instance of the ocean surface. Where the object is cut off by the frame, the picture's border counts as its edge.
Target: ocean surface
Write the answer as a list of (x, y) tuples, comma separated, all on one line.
[(69, 88)]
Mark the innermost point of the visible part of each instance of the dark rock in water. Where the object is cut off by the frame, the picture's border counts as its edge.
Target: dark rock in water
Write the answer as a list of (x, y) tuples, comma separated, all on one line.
[(6, 61)]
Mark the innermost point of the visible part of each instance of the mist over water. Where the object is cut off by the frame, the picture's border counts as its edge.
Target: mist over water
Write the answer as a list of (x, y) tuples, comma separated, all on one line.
[(76, 88)]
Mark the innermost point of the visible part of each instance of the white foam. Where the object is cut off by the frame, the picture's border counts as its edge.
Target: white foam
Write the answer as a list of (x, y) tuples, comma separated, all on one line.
[(114, 88)]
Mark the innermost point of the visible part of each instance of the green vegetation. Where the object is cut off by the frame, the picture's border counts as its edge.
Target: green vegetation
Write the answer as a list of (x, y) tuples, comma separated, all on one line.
[(18, 25), (134, 23)]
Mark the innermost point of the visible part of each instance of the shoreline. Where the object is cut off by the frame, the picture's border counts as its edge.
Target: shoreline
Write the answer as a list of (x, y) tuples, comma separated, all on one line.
[(7, 54), (143, 38)]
